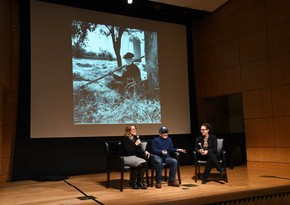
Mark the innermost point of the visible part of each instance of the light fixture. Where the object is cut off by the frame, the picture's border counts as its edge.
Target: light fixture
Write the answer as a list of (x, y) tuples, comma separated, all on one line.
[(130, 1)]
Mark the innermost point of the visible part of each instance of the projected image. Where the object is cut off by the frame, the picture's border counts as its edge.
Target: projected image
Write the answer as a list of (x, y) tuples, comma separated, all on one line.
[(115, 74)]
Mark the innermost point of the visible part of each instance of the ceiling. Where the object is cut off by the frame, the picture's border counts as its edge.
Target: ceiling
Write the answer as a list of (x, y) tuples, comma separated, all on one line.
[(203, 5)]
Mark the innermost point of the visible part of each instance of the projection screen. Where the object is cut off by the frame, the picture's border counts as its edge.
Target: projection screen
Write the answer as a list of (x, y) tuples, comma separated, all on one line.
[(93, 73)]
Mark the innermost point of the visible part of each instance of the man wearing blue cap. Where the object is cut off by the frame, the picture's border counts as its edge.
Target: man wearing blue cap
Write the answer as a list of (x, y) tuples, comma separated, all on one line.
[(162, 148)]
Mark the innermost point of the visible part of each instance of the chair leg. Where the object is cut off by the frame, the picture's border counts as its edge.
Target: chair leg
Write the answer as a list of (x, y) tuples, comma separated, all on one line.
[(195, 173), (178, 174), (165, 174), (226, 175), (152, 176), (198, 169), (147, 178), (108, 179), (122, 181)]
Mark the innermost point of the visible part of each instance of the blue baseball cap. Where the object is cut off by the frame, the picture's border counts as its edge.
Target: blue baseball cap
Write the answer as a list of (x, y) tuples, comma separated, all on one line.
[(163, 129)]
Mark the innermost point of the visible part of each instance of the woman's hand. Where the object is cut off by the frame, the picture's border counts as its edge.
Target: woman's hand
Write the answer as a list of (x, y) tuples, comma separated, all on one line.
[(203, 152), (138, 142), (147, 154)]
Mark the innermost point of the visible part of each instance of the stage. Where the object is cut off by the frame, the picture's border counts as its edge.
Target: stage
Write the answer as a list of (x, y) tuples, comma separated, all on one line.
[(255, 183)]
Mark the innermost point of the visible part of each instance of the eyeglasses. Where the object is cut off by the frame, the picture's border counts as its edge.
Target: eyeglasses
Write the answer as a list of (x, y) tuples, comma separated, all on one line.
[(203, 129)]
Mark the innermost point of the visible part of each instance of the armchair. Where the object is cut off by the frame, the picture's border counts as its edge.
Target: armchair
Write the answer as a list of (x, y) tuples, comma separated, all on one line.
[(115, 162), (222, 160)]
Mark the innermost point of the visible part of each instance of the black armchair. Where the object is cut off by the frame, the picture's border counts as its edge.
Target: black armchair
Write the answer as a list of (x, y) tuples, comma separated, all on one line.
[(222, 160), (115, 162)]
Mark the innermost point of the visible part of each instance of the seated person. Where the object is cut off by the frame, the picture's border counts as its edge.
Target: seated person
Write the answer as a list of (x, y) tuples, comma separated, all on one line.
[(206, 147), (162, 147), (130, 80), (134, 157)]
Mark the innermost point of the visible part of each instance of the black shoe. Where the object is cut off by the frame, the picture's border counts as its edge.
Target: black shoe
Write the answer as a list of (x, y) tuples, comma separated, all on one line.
[(222, 172), (141, 185), (134, 185), (203, 181)]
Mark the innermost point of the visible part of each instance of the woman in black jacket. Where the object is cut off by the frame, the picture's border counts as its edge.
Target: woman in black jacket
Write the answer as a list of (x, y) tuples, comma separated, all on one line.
[(206, 147), (134, 156)]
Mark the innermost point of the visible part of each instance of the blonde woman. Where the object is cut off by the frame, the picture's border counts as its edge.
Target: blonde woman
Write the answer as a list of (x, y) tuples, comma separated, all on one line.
[(134, 156)]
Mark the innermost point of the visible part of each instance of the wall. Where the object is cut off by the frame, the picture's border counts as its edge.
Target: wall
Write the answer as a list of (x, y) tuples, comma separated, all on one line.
[(8, 84), (244, 47)]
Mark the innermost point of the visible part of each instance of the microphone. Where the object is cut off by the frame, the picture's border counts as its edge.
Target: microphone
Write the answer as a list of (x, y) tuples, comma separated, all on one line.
[(138, 138), (200, 145)]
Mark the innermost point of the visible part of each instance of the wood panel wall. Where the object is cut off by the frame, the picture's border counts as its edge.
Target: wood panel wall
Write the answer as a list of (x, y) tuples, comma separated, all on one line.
[(244, 47), (9, 58)]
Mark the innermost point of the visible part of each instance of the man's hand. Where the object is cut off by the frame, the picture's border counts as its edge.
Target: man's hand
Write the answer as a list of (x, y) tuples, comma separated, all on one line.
[(164, 152), (181, 150)]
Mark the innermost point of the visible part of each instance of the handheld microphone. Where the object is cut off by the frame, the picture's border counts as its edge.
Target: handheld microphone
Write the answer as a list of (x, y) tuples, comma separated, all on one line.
[(200, 145), (138, 138)]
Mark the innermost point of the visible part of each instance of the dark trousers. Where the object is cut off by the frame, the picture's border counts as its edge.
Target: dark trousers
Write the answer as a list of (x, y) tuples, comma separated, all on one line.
[(137, 173), (211, 161)]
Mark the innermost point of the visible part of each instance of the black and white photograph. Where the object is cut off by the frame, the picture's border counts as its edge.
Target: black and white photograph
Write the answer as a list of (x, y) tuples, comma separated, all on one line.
[(115, 74)]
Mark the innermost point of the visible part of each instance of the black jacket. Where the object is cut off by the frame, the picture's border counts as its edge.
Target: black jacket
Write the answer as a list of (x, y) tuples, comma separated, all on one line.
[(129, 147), (212, 143)]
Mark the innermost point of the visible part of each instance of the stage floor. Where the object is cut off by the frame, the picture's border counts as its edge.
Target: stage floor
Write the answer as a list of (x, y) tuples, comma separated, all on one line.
[(244, 181)]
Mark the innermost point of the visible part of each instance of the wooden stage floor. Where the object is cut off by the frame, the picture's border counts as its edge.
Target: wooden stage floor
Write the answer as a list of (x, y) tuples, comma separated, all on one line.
[(246, 184)]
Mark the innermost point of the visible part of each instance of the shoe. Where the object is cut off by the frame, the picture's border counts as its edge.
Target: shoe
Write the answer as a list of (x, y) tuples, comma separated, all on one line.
[(141, 185), (174, 183), (203, 181), (222, 173), (158, 185), (134, 185)]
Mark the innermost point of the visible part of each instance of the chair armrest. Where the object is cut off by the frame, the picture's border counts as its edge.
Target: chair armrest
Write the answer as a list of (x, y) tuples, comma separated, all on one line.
[(195, 157), (223, 153), (115, 162), (150, 161), (175, 155)]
